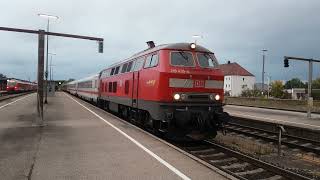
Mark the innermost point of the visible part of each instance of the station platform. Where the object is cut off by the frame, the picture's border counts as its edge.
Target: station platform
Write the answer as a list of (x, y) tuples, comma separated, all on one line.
[(80, 141), (296, 119)]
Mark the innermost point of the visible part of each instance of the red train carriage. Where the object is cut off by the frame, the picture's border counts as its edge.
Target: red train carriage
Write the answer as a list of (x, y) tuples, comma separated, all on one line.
[(15, 86), (173, 88)]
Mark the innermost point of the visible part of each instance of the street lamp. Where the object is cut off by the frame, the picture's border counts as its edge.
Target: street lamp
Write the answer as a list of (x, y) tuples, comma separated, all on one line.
[(196, 37), (263, 61), (48, 17)]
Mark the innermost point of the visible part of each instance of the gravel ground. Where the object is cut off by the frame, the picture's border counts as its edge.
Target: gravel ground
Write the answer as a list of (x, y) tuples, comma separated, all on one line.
[(303, 163)]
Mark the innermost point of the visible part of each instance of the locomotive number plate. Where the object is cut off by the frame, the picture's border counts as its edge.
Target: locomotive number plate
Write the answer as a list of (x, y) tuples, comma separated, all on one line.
[(199, 83)]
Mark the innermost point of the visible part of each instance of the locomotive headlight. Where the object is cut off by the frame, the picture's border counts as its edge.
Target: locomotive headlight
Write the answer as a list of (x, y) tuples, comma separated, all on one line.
[(192, 45), (176, 97), (217, 97)]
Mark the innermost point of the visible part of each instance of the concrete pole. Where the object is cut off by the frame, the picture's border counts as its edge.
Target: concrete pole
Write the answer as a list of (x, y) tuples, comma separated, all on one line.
[(40, 74), (263, 60), (46, 74), (309, 90)]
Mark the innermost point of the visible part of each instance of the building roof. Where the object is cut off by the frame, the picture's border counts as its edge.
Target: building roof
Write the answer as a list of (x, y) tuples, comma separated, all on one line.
[(234, 69)]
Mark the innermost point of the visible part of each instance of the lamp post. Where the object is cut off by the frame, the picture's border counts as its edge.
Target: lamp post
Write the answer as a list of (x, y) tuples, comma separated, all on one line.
[(269, 80), (50, 72), (263, 61), (196, 37), (48, 17)]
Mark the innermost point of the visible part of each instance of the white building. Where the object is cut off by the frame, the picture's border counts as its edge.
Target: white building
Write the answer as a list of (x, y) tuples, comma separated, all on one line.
[(236, 79)]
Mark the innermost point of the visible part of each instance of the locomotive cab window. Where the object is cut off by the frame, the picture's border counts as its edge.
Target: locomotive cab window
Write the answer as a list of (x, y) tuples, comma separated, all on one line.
[(138, 64), (124, 68), (151, 61), (129, 67), (207, 60), (117, 70), (182, 59), (112, 72)]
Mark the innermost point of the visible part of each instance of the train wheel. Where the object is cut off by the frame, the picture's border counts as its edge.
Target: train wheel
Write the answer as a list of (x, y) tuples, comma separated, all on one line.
[(125, 113), (152, 125)]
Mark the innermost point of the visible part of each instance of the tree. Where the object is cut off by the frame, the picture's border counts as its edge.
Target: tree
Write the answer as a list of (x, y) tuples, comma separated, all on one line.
[(277, 89), (2, 76), (251, 93), (316, 84), (294, 83)]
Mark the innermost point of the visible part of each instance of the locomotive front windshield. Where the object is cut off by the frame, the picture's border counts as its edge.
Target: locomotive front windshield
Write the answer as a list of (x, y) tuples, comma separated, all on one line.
[(207, 60), (182, 59), (11, 83)]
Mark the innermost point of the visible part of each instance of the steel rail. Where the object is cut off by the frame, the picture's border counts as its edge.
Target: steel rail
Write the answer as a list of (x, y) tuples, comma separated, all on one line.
[(275, 139)]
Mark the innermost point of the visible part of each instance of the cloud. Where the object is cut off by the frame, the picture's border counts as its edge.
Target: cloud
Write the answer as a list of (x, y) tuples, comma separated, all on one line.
[(234, 30)]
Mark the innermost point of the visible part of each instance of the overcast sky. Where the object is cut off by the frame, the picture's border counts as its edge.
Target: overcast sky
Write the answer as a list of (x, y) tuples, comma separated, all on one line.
[(234, 30)]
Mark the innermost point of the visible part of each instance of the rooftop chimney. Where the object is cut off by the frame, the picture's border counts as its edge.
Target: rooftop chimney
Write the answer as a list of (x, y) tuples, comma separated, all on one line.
[(151, 44)]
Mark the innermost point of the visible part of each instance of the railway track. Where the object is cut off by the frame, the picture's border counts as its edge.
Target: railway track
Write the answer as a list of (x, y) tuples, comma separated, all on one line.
[(237, 164), (294, 142), (5, 96)]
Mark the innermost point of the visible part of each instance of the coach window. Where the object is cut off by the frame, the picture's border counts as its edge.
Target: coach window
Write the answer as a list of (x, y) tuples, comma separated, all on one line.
[(151, 61), (117, 70), (182, 59), (106, 87), (138, 64), (129, 66), (124, 68), (112, 72)]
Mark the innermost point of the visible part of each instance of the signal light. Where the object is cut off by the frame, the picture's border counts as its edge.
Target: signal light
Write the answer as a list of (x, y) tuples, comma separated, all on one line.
[(286, 62), (100, 46)]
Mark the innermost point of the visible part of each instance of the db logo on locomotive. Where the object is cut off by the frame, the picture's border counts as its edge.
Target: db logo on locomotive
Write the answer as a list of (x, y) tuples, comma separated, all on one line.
[(199, 83)]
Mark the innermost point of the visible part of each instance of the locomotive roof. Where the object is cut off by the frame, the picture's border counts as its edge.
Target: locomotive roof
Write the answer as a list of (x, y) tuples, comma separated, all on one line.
[(173, 46)]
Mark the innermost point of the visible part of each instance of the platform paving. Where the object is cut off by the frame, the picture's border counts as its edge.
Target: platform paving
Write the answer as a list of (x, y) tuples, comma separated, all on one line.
[(77, 143), (297, 119)]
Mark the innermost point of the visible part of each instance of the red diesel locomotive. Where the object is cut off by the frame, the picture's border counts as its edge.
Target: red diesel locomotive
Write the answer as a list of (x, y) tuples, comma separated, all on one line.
[(16, 86), (175, 89), (172, 88)]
